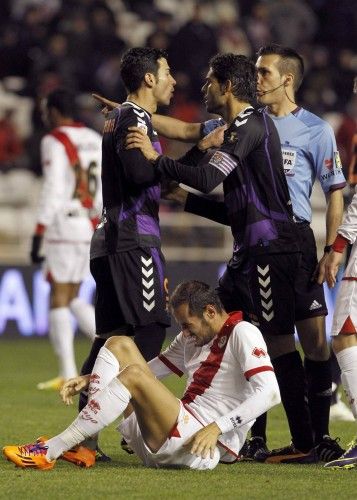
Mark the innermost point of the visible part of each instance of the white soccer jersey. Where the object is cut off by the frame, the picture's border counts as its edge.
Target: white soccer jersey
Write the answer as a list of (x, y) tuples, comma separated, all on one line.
[(230, 380), (348, 229), (65, 218)]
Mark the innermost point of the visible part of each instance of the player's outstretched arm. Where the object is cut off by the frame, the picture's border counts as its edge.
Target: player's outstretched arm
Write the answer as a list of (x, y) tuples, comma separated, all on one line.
[(172, 128)]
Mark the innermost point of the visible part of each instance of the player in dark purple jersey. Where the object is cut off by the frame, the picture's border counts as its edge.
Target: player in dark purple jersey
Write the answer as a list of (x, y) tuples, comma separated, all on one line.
[(126, 259), (260, 277)]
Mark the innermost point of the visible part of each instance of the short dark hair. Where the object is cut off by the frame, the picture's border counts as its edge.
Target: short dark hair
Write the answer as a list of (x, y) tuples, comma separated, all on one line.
[(138, 61), (290, 61), (240, 71), (197, 295), (62, 100)]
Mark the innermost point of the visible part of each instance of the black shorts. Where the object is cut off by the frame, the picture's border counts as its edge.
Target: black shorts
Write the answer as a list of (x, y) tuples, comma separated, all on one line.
[(131, 290), (309, 295), (264, 289)]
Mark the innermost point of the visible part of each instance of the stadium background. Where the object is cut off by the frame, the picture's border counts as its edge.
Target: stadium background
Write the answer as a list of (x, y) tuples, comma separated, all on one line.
[(45, 44)]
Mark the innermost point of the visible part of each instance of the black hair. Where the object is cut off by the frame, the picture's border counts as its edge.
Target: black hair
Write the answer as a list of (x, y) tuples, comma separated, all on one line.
[(290, 61), (138, 61), (197, 295), (62, 100), (240, 71)]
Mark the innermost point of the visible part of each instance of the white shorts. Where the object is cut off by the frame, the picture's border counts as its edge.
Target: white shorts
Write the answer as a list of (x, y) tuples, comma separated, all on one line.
[(172, 453), (346, 306), (66, 262)]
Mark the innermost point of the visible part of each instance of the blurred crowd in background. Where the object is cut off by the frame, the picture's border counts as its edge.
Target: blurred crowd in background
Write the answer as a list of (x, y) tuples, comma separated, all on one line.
[(78, 44)]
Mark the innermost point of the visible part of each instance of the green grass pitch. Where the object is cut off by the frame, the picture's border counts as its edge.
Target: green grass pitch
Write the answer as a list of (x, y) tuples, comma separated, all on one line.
[(27, 413)]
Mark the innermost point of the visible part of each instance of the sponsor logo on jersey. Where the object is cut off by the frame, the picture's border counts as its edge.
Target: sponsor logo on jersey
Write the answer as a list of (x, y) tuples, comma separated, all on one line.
[(258, 352), (222, 341), (109, 126), (337, 159), (328, 163)]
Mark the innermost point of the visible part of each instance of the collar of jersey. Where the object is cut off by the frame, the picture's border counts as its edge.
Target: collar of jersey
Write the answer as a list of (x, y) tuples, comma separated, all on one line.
[(133, 105), (246, 110)]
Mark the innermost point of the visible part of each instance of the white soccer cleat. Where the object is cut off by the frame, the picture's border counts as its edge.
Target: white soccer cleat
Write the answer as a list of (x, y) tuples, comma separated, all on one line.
[(340, 411)]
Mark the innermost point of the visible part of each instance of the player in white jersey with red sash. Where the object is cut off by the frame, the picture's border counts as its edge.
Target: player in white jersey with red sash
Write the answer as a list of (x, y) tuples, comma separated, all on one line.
[(230, 382), (344, 326), (69, 205)]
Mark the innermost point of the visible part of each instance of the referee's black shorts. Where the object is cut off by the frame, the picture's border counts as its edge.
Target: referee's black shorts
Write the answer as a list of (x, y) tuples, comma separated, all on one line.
[(131, 290)]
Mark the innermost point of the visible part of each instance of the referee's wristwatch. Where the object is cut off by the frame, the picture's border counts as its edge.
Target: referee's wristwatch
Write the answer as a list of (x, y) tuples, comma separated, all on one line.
[(327, 248)]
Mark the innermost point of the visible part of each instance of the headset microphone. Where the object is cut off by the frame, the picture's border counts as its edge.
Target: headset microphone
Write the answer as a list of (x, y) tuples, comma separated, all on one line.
[(264, 92)]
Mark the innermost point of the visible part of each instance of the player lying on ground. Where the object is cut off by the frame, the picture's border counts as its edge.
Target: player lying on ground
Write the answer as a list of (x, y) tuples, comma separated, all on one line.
[(230, 382)]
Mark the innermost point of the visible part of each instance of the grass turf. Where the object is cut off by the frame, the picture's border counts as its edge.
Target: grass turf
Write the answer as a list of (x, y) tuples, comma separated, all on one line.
[(27, 413)]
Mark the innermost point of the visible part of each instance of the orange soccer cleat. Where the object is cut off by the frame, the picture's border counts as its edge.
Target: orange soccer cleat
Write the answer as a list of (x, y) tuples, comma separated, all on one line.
[(80, 455), (29, 456)]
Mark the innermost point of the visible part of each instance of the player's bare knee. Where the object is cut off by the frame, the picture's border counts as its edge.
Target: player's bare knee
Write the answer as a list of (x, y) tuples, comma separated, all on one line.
[(133, 376), (342, 341), (120, 344)]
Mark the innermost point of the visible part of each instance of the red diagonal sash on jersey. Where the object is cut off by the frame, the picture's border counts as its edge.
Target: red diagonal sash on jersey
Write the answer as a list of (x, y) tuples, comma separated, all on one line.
[(81, 190), (205, 373)]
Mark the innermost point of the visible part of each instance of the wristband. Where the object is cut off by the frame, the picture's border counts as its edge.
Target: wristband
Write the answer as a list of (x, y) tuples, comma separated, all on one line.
[(339, 244)]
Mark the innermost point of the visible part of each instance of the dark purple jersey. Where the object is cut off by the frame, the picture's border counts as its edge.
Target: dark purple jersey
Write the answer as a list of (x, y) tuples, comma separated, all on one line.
[(257, 204), (131, 189)]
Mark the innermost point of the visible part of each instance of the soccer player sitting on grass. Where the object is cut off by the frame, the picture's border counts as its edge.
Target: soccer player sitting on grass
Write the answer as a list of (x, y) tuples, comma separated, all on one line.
[(230, 382)]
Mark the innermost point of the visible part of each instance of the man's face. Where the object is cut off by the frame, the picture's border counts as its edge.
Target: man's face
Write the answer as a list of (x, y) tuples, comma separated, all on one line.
[(269, 78), (199, 329), (212, 94), (165, 83)]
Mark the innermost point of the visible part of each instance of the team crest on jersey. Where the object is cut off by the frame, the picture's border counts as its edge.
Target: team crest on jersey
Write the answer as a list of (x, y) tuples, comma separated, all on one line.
[(233, 136), (337, 158), (222, 341), (258, 352), (142, 126)]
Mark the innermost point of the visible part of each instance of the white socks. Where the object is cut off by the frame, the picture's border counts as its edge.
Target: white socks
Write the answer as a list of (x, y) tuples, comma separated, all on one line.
[(347, 359), (100, 411), (61, 336), (106, 367), (84, 314)]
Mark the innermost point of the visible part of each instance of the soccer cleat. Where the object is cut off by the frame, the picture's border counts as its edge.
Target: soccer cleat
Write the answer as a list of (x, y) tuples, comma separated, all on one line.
[(253, 445), (348, 460), (54, 384), (80, 455), (287, 455), (340, 411), (329, 449), (100, 456), (124, 446), (29, 456)]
